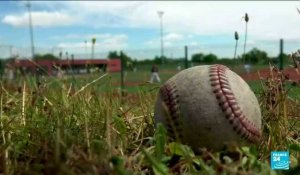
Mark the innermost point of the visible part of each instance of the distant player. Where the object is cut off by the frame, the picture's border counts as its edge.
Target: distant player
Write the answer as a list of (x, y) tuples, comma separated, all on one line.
[(154, 74), (247, 67), (179, 68)]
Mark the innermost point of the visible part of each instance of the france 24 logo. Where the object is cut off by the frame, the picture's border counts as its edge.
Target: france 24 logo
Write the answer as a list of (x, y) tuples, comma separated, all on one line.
[(280, 160)]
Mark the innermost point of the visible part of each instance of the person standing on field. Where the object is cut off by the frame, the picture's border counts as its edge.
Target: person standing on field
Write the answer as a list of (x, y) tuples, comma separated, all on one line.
[(154, 74)]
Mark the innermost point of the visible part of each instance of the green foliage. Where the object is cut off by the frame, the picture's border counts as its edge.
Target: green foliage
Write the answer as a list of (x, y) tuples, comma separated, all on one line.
[(113, 55), (2, 67), (157, 60), (197, 58), (44, 57), (119, 166), (202, 58), (256, 56), (178, 158), (158, 167), (295, 147), (160, 139), (285, 57), (225, 61), (210, 58)]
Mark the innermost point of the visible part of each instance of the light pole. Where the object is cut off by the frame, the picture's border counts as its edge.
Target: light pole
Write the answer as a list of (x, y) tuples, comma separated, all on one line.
[(160, 14), (30, 28), (67, 55), (246, 32), (85, 45), (10, 51), (93, 47)]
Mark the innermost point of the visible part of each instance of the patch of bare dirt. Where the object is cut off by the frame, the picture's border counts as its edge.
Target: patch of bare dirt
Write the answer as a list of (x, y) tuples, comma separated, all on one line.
[(291, 74)]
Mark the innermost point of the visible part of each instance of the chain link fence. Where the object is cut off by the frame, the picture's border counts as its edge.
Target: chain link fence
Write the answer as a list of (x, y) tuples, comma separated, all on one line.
[(142, 59), (225, 50)]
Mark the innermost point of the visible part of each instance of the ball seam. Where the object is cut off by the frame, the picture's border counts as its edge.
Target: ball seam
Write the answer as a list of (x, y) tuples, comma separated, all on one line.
[(170, 98), (228, 103)]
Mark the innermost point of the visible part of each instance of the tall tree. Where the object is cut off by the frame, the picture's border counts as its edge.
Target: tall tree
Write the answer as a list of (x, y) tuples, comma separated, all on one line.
[(45, 57), (210, 58), (197, 58), (255, 56), (113, 55)]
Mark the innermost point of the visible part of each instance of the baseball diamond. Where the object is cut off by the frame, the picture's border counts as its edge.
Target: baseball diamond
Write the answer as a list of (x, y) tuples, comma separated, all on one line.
[(209, 106)]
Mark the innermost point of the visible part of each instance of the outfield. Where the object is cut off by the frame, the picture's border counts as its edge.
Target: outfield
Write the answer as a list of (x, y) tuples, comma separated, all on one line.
[(133, 80), (82, 125)]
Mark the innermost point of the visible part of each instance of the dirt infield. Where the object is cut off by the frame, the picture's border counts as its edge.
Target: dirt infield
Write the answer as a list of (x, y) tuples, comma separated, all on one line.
[(291, 73), (257, 75)]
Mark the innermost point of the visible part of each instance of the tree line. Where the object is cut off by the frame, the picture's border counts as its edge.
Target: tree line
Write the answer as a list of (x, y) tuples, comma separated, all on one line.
[(254, 56)]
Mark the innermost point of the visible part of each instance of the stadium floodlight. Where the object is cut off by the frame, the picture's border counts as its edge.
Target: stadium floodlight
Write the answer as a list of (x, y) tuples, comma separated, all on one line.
[(160, 14), (28, 5)]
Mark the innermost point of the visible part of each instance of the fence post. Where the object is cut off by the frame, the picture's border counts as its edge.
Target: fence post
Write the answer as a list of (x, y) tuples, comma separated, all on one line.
[(122, 73), (37, 76), (186, 57), (281, 55)]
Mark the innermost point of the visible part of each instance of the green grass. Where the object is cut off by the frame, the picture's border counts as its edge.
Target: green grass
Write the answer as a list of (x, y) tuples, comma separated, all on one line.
[(68, 129), (294, 91)]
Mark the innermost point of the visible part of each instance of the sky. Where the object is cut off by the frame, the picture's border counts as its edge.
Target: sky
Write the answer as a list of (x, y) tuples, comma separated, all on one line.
[(134, 27)]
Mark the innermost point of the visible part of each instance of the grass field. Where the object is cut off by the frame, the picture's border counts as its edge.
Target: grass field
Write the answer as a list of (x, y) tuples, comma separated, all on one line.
[(80, 126)]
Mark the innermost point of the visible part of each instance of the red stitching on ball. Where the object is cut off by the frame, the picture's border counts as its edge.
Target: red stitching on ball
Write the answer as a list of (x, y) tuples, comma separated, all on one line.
[(228, 103), (171, 98)]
